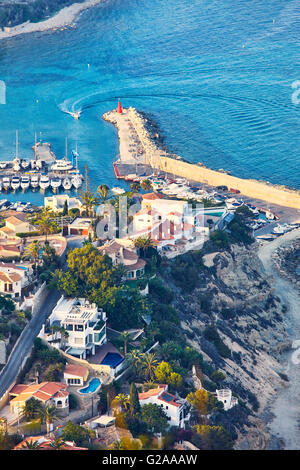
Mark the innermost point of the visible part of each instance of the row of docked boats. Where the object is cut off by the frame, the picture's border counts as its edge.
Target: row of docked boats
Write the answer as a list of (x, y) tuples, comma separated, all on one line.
[(40, 181)]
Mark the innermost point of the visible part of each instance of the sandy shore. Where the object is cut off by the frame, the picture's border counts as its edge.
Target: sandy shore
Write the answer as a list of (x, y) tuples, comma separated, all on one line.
[(285, 407), (65, 17)]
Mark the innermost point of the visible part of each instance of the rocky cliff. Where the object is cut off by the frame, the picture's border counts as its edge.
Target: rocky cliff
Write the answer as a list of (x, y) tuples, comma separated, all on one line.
[(234, 319)]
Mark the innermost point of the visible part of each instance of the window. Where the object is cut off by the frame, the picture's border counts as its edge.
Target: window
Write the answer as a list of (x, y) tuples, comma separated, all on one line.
[(78, 327), (69, 327)]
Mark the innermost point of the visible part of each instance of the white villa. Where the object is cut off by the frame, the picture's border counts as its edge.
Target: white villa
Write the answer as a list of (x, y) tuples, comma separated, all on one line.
[(84, 322), (56, 203), (120, 254), (13, 278), (175, 408)]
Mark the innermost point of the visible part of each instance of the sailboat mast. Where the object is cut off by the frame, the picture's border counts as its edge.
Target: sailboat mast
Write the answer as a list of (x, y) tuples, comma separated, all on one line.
[(17, 144), (66, 156), (35, 146)]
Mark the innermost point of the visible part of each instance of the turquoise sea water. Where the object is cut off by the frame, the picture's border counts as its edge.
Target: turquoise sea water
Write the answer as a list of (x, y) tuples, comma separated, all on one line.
[(182, 61)]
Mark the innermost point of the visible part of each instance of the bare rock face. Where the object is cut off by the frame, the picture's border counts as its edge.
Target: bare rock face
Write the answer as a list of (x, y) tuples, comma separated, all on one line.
[(249, 320)]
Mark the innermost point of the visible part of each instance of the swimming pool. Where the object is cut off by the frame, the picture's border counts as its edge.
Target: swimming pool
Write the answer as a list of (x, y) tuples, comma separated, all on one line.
[(112, 359), (22, 267), (93, 385)]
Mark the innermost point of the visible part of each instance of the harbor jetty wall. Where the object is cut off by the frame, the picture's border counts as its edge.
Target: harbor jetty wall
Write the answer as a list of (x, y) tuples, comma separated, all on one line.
[(251, 188), (159, 159)]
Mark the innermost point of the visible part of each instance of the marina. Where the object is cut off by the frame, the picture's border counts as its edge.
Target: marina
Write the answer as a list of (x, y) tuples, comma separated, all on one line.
[(42, 172)]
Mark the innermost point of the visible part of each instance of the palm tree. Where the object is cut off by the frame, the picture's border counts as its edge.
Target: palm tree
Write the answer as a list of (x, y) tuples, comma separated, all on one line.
[(123, 401), (146, 185), (149, 364), (134, 358), (46, 223), (32, 408), (143, 243), (58, 443), (89, 201), (32, 251), (103, 191), (125, 337), (31, 445), (48, 414)]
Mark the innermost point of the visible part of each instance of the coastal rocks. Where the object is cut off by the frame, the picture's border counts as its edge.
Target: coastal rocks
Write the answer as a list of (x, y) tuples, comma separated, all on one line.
[(249, 322), (286, 259)]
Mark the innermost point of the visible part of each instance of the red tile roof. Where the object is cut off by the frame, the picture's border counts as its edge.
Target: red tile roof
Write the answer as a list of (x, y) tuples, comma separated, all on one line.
[(75, 370)]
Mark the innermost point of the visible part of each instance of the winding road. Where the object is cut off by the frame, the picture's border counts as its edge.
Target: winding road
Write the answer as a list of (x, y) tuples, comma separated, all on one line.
[(23, 347), (286, 405)]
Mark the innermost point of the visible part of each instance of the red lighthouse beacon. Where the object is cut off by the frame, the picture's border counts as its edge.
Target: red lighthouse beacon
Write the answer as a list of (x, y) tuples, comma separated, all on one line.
[(119, 108)]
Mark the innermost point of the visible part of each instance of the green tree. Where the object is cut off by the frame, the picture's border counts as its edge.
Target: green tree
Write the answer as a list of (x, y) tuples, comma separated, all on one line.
[(149, 364), (32, 251), (123, 401), (154, 417), (125, 337), (75, 432), (135, 406), (212, 438), (103, 191), (164, 374), (143, 244), (32, 408)]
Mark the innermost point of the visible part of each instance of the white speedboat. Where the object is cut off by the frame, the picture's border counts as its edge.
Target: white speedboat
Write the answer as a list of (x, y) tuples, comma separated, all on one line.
[(118, 191), (62, 165), (25, 182), (16, 164), (15, 182), (6, 183), (55, 183), (75, 115), (3, 165), (44, 182), (67, 183), (76, 181), (25, 164), (34, 181)]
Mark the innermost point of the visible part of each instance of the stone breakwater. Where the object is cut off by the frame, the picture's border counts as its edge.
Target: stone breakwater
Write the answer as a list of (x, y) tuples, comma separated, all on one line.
[(132, 129)]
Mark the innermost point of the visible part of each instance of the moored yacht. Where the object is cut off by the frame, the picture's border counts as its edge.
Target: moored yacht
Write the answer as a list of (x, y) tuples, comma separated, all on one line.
[(62, 165), (67, 183), (25, 164), (6, 183), (15, 182), (34, 181), (25, 182), (44, 182), (55, 183), (3, 165), (76, 181)]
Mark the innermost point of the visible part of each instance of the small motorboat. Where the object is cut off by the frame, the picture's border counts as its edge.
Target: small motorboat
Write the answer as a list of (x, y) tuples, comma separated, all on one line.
[(25, 182), (44, 182), (55, 183), (15, 182), (76, 181), (67, 183), (118, 191), (6, 183), (34, 181)]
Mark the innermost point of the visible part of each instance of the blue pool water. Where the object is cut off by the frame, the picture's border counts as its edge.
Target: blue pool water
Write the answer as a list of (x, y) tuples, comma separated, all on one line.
[(112, 359), (183, 62), (92, 386), (25, 268)]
